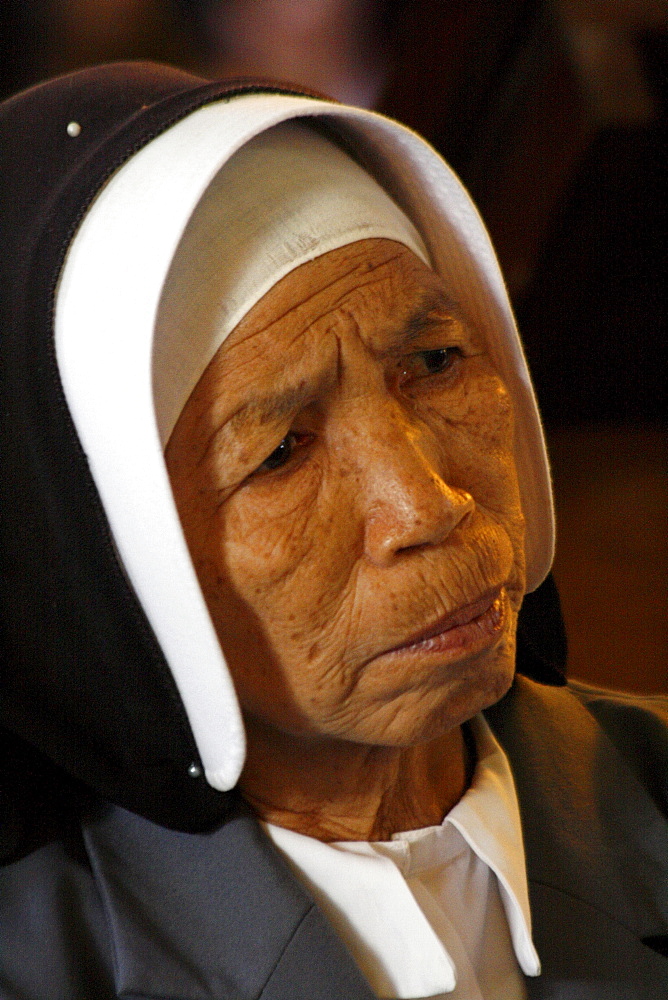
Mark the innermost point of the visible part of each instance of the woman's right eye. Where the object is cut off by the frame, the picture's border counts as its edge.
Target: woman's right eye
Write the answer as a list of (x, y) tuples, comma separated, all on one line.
[(281, 455)]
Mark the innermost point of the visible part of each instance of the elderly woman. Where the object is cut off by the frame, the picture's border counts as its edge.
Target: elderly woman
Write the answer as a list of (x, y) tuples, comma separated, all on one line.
[(274, 489)]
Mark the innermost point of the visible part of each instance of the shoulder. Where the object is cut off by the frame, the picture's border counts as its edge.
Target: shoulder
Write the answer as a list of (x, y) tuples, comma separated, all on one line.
[(578, 728), (605, 703), (591, 773), (637, 726), (577, 700), (49, 895)]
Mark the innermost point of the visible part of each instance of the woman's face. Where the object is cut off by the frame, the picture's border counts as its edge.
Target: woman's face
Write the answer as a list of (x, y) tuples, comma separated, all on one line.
[(345, 477)]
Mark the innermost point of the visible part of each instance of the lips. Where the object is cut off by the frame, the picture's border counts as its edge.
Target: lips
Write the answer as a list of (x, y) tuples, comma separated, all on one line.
[(485, 615)]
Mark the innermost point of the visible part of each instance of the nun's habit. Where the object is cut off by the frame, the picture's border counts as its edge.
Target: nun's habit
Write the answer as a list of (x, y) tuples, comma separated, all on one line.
[(132, 867)]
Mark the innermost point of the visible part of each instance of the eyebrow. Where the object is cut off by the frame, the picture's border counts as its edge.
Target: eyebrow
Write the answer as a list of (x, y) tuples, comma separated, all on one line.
[(262, 410), (434, 308), (266, 409)]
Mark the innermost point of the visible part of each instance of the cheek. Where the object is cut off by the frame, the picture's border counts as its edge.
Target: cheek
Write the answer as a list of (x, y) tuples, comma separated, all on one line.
[(473, 427), (477, 432), (284, 547), (276, 571), (494, 438)]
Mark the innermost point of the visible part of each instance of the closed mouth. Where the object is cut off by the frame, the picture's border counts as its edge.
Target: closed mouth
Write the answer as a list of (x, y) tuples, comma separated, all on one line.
[(485, 616)]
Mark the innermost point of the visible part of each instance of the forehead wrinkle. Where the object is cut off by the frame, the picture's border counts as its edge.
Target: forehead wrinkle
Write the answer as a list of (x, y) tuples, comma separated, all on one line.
[(307, 298), (264, 409), (442, 297), (430, 300)]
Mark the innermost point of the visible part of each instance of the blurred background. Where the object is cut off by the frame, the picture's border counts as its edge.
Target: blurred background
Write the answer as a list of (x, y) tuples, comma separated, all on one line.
[(553, 112)]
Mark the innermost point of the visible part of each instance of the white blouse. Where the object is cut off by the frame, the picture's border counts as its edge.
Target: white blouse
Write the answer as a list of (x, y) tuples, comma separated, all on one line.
[(442, 911)]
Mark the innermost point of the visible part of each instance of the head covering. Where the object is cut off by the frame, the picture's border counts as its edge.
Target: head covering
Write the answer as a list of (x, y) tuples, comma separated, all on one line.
[(104, 618)]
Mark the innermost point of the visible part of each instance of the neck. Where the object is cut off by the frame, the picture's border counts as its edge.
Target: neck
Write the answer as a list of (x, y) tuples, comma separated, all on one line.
[(333, 790)]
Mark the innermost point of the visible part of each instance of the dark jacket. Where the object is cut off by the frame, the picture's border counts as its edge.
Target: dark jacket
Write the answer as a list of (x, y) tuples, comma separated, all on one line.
[(121, 907)]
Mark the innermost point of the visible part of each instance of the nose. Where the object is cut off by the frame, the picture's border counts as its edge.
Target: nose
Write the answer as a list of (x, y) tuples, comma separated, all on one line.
[(406, 500)]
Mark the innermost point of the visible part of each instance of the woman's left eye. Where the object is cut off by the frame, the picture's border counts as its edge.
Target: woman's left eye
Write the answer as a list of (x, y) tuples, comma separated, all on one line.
[(424, 363)]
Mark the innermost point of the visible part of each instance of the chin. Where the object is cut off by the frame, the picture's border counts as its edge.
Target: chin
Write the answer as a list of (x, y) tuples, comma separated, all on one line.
[(442, 709), (491, 680)]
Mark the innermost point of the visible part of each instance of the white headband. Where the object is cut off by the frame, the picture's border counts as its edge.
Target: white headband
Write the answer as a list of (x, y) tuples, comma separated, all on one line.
[(286, 197)]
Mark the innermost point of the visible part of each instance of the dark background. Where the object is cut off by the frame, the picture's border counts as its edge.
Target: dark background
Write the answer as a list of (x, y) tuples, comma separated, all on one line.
[(554, 115)]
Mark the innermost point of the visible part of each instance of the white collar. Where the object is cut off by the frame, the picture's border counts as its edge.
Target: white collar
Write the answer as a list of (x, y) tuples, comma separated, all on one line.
[(488, 817), (362, 886)]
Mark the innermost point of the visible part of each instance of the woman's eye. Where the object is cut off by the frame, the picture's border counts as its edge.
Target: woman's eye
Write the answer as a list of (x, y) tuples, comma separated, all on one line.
[(432, 362), (281, 455)]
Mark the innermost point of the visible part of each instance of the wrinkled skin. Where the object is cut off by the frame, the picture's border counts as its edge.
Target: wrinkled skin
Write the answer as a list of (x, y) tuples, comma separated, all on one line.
[(345, 477)]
